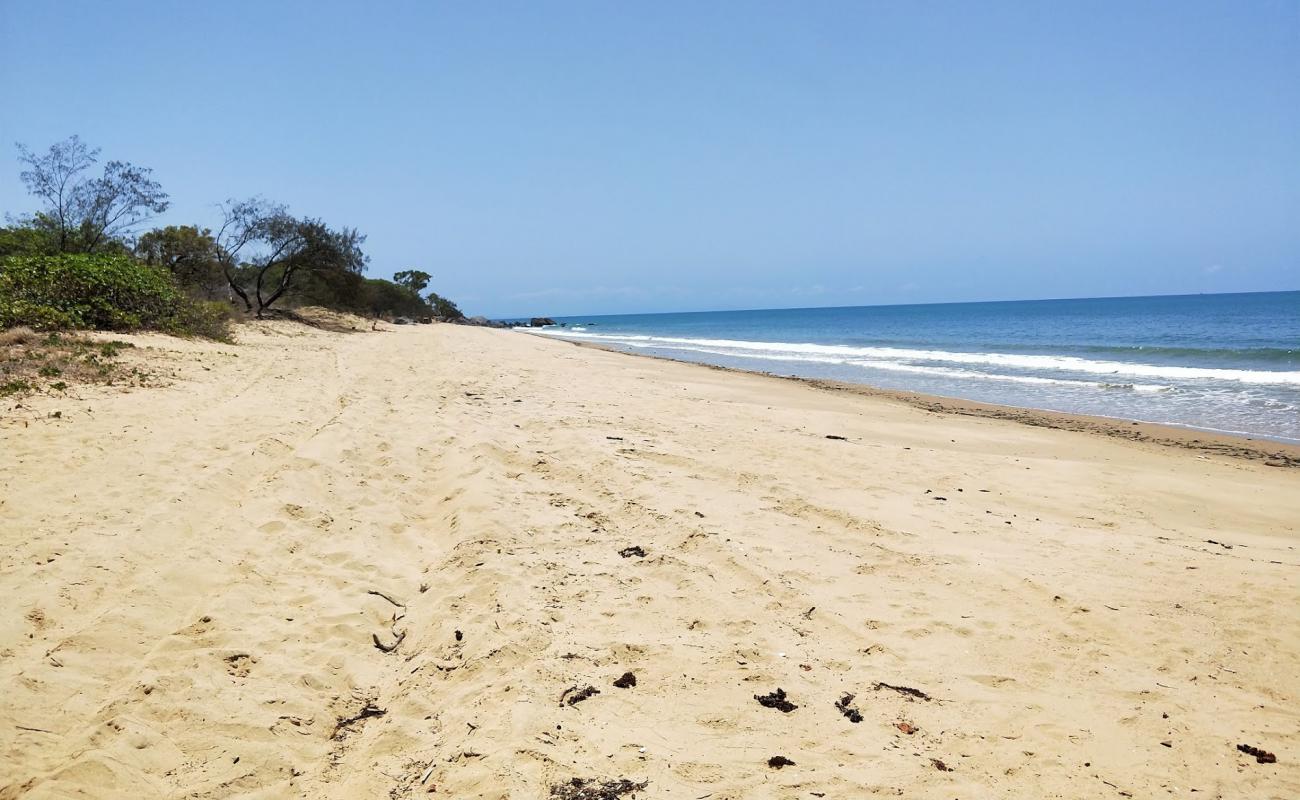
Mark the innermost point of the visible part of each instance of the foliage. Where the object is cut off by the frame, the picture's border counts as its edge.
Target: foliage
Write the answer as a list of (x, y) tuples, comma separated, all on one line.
[(75, 264), (189, 254), (385, 298), (341, 290), (444, 308), (26, 240), (88, 214), (207, 319), (412, 279), (241, 227), (266, 254), (108, 292)]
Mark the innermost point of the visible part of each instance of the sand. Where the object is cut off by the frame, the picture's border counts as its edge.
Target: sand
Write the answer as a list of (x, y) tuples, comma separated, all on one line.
[(375, 565)]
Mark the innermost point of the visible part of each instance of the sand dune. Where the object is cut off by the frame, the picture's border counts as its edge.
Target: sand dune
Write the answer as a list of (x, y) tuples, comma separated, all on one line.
[(384, 565)]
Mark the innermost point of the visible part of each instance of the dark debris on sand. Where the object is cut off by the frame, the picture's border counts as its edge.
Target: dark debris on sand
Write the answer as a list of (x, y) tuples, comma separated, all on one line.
[(573, 695), (596, 789), (776, 762), (906, 691), (776, 700), (845, 705), (367, 711), (634, 550), (1261, 756), (626, 681)]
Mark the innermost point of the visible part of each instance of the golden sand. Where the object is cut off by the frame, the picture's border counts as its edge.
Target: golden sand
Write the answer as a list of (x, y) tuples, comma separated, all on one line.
[(383, 565)]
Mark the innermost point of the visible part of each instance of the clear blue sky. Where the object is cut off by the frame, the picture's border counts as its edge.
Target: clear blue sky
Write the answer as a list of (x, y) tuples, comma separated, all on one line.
[(555, 158)]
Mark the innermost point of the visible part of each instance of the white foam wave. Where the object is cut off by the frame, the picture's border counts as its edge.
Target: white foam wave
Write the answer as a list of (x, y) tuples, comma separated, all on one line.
[(944, 372), (899, 358)]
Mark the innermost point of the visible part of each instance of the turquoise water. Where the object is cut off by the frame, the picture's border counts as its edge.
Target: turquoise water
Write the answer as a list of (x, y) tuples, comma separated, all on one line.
[(1227, 362)]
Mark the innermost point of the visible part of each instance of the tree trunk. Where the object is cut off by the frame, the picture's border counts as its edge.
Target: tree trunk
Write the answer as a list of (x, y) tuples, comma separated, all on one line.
[(234, 287), (285, 280)]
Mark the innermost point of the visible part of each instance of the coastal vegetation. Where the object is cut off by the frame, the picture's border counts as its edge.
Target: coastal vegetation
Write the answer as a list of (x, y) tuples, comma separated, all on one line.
[(52, 362), (84, 260)]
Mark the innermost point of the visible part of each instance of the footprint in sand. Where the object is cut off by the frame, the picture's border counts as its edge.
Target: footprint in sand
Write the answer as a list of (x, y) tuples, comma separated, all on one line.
[(239, 664)]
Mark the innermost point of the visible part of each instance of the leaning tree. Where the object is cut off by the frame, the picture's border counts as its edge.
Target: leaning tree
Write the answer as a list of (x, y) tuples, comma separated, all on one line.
[(266, 253)]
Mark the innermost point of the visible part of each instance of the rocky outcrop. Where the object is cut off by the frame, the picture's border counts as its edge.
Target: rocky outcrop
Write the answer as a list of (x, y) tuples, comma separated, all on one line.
[(482, 322), (540, 322)]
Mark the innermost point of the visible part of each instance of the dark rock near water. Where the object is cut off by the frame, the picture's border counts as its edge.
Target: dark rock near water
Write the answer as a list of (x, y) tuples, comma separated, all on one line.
[(482, 322)]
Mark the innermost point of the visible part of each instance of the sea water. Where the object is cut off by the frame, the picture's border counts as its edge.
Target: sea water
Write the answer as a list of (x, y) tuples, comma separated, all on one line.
[(1222, 362)]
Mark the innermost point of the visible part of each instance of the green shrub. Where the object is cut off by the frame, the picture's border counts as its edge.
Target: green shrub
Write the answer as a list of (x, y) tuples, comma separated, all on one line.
[(209, 319), (104, 292), (14, 387)]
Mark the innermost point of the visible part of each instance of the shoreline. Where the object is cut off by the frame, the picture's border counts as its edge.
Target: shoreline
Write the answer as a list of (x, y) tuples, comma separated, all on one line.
[(1281, 454)]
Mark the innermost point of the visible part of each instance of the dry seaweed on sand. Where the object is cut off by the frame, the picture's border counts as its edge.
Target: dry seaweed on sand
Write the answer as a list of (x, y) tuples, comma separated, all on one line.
[(906, 691), (367, 711), (845, 705), (776, 700), (634, 550), (574, 695), (596, 789), (626, 681), (777, 762), (1261, 756)]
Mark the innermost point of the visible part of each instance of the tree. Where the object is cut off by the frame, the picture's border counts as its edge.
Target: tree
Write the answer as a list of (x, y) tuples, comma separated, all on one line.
[(242, 225), (190, 254), (412, 279), (265, 253), (381, 297), (54, 178), (444, 308), (87, 214), (307, 248)]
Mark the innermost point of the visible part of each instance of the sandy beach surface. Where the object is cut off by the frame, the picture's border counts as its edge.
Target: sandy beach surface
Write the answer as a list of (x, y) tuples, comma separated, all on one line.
[(390, 565)]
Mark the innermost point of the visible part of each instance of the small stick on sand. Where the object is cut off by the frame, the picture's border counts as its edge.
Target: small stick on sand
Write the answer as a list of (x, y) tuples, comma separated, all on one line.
[(906, 691), (389, 648), (378, 593)]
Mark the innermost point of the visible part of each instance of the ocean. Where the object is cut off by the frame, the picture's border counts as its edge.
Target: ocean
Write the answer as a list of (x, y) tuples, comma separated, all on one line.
[(1220, 362)]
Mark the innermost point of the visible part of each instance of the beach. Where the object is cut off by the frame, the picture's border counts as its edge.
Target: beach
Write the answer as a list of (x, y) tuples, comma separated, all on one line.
[(414, 563)]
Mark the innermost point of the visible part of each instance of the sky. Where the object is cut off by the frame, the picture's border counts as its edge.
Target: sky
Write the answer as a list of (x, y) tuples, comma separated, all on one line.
[(566, 158)]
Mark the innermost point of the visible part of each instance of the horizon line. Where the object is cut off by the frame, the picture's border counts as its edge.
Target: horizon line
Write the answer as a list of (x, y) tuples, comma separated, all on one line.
[(906, 305)]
